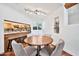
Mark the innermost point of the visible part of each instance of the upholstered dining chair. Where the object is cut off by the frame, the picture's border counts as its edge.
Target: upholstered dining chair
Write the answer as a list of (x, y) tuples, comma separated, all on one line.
[(20, 51), (57, 51), (59, 47)]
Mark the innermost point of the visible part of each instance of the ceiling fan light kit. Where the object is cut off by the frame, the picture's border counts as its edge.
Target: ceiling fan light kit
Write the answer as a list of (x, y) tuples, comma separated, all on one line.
[(36, 11)]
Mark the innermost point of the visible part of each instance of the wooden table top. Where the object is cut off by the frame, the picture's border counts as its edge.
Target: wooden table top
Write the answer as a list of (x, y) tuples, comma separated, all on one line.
[(38, 40)]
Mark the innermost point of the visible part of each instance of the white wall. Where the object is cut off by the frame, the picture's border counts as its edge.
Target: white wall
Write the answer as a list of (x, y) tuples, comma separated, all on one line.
[(11, 14), (1, 36), (73, 14), (59, 12), (45, 20), (70, 34)]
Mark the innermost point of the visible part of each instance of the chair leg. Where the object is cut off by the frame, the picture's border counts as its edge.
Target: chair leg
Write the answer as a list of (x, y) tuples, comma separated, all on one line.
[(9, 48)]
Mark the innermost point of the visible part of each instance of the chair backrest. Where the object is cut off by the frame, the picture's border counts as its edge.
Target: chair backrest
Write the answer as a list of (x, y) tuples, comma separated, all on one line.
[(18, 49), (29, 50), (59, 48)]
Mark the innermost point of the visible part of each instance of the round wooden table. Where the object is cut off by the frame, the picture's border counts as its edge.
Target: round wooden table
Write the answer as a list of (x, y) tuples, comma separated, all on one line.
[(38, 41)]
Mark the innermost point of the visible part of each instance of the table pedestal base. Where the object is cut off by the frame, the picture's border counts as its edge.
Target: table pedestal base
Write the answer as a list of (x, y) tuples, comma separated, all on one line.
[(38, 50)]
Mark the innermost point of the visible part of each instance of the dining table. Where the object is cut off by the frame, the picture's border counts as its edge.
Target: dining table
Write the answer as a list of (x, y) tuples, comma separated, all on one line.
[(38, 40)]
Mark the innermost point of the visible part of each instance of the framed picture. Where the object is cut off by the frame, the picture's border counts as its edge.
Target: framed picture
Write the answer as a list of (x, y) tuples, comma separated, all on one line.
[(37, 27), (34, 27), (56, 24)]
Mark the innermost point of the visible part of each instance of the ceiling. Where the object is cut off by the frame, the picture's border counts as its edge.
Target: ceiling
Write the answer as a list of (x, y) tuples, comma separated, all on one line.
[(46, 7)]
